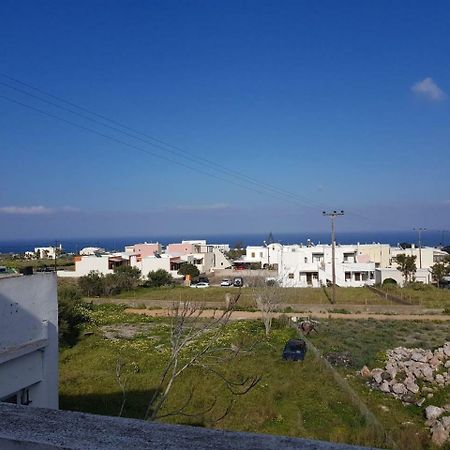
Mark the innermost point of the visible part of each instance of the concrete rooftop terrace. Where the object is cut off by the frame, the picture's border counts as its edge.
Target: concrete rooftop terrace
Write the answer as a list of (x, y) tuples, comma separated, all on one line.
[(27, 428)]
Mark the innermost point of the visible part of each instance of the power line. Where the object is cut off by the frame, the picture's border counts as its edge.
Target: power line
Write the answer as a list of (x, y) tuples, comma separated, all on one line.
[(178, 151), (148, 152)]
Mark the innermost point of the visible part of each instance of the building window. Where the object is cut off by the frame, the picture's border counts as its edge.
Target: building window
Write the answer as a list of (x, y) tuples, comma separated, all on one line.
[(348, 276), (253, 254), (291, 275), (357, 276), (261, 254)]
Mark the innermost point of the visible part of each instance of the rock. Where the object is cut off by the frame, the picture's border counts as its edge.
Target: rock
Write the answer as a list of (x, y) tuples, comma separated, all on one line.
[(385, 387), (408, 398), (446, 422), (411, 386), (427, 373), (377, 375), (420, 402), (433, 412), (446, 407), (399, 388), (434, 361), (440, 379), (439, 434), (419, 357), (446, 349), (447, 364), (391, 370), (365, 372), (430, 396)]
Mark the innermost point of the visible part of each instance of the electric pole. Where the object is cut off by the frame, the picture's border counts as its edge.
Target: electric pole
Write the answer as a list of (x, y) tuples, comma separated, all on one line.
[(333, 215), (420, 230)]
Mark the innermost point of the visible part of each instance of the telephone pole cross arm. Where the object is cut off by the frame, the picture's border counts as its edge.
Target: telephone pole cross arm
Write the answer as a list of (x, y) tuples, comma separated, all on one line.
[(333, 215)]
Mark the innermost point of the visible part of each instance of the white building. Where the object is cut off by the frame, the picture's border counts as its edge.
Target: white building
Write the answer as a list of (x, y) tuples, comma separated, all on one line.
[(420, 276), (425, 256), (147, 257), (86, 251), (44, 252), (311, 266), (29, 340)]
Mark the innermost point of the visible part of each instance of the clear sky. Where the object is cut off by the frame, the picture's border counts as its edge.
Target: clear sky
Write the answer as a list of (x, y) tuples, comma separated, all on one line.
[(343, 104)]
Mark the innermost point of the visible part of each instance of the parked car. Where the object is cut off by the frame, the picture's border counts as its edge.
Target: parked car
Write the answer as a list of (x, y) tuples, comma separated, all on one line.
[(294, 350), (200, 285), (226, 283)]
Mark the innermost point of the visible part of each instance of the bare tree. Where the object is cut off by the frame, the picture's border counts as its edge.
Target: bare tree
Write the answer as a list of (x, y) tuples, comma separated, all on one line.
[(267, 297), (122, 377), (194, 343)]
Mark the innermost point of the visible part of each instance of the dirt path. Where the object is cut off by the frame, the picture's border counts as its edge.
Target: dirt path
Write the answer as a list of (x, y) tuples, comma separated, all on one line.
[(249, 315)]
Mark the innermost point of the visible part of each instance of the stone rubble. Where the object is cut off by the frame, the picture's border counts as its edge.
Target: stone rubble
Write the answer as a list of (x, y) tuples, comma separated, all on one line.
[(413, 375)]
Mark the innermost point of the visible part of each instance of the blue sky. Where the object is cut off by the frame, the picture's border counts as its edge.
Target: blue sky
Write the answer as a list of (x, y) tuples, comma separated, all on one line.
[(344, 104)]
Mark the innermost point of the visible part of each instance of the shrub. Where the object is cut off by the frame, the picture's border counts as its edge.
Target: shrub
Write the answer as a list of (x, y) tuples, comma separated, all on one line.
[(188, 269), (72, 313), (126, 278), (158, 278), (389, 281), (91, 285)]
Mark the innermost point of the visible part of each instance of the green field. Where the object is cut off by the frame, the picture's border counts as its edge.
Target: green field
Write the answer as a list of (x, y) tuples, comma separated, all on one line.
[(296, 399), (425, 295), (17, 263), (355, 296)]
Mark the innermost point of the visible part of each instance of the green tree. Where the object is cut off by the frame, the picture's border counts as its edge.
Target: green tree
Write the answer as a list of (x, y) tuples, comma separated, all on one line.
[(188, 269), (407, 266), (158, 278), (441, 270), (127, 277), (72, 313), (91, 285)]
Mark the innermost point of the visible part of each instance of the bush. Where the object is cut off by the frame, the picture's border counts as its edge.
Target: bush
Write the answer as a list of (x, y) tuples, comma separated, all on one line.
[(158, 278), (389, 281), (188, 269), (126, 278), (91, 285), (72, 313), (420, 286)]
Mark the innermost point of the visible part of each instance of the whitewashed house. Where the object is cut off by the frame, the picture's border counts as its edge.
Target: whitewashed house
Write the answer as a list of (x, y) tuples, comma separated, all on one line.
[(311, 266)]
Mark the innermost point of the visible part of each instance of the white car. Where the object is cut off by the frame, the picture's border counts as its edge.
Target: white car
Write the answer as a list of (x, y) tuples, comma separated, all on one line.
[(226, 283), (200, 285)]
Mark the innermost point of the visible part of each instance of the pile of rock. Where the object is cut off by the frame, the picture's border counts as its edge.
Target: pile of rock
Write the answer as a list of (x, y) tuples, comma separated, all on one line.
[(413, 375), (438, 419)]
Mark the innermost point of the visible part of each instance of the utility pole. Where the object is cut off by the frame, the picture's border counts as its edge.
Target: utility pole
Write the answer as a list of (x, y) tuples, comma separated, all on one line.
[(333, 215), (420, 230), (443, 233)]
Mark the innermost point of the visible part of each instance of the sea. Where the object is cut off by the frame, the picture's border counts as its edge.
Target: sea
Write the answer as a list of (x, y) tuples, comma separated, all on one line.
[(429, 238)]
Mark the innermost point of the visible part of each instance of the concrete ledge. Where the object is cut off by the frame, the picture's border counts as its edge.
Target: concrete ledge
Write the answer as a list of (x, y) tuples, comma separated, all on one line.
[(23, 427)]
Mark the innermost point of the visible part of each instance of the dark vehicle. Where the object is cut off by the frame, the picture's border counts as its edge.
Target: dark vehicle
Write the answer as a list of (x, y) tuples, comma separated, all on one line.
[(294, 350), (202, 280), (238, 282)]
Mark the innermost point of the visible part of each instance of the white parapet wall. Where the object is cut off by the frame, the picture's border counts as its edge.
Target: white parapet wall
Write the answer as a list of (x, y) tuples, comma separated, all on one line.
[(29, 340)]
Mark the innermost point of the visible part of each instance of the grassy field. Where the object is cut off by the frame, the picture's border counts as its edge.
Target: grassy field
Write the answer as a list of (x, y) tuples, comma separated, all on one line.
[(356, 296), (296, 399), (424, 295), (18, 263)]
